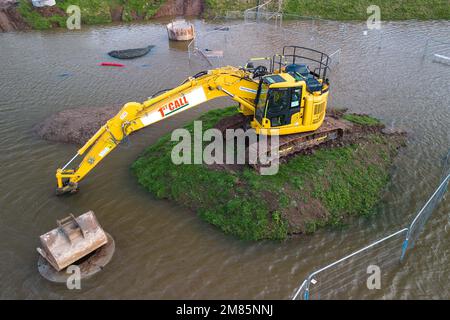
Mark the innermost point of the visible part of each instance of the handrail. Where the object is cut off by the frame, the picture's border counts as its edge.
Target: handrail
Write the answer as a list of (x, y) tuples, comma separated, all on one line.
[(259, 6), (308, 280), (202, 36)]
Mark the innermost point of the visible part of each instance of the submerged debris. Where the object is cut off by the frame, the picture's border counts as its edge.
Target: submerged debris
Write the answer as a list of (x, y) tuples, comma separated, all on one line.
[(180, 30), (130, 53), (80, 242), (88, 266)]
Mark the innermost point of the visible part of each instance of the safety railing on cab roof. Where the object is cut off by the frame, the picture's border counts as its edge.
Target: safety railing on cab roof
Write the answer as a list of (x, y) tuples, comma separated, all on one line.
[(296, 54)]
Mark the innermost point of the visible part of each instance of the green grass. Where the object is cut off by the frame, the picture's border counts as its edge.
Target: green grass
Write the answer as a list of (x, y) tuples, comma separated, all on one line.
[(142, 8), (220, 7), (357, 9), (345, 9), (32, 17), (364, 120), (342, 182), (99, 11), (92, 11)]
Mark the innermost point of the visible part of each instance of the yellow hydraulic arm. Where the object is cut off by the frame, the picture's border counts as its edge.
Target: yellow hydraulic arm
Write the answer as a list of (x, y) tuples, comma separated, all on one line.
[(205, 86)]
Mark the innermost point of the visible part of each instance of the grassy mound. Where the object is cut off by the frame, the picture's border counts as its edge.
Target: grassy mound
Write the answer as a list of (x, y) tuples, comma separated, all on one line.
[(357, 9), (342, 9), (92, 11), (309, 191), (104, 11)]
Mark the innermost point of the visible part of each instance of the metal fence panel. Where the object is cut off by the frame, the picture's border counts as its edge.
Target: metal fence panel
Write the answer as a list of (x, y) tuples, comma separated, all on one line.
[(424, 214), (349, 277)]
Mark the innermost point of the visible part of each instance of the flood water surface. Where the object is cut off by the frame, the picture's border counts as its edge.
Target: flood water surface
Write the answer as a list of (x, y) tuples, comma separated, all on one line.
[(164, 250)]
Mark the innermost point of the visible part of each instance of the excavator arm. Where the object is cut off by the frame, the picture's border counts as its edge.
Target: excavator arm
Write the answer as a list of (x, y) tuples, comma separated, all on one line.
[(208, 85)]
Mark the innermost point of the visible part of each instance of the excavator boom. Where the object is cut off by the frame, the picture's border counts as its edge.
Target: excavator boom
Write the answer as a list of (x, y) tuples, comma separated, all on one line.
[(205, 86)]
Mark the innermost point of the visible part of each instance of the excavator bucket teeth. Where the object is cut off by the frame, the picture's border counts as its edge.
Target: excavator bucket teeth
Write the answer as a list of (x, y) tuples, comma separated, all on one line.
[(69, 188), (73, 239)]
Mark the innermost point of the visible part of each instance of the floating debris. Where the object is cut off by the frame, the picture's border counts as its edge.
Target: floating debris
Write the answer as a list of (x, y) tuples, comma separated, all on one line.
[(43, 3), (76, 241), (213, 53), (90, 265), (180, 30), (130, 53), (111, 64), (222, 28)]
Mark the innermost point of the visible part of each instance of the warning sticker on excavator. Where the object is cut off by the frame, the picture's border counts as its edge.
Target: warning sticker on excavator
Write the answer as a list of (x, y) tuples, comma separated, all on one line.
[(123, 115), (183, 102), (104, 152), (247, 90)]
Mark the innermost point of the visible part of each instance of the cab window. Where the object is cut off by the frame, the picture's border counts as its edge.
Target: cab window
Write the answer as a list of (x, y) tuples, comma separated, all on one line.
[(282, 104), (261, 99)]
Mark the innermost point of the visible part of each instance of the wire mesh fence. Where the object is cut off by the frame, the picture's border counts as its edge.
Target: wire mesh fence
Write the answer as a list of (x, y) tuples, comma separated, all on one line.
[(234, 15), (438, 50), (356, 275), (349, 276), (211, 46), (424, 214)]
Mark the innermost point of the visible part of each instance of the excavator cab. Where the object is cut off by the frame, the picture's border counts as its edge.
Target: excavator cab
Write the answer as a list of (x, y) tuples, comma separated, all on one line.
[(277, 105), (292, 97)]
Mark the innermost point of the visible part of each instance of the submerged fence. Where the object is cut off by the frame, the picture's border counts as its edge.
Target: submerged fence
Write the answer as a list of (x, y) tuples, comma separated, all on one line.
[(349, 275), (440, 50), (270, 10)]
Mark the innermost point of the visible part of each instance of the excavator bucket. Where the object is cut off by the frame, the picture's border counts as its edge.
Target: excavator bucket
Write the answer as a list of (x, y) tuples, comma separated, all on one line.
[(73, 239)]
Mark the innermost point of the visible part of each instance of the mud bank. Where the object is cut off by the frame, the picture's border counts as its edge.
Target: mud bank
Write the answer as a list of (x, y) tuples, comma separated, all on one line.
[(106, 11), (10, 18), (323, 187), (73, 125), (180, 8), (94, 12)]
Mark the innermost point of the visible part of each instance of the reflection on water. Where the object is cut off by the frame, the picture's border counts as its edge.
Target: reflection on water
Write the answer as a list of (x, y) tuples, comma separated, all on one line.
[(165, 251)]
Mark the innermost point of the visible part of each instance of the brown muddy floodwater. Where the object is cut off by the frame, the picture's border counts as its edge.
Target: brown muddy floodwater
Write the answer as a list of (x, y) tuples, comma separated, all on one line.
[(165, 251)]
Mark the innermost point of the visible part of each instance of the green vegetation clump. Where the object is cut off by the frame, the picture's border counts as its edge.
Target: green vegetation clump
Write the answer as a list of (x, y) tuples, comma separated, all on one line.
[(309, 191), (363, 119), (32, 17), (220, 7), (140, 8), (99, 11), (92, 11), (357, 9), (343, 9)]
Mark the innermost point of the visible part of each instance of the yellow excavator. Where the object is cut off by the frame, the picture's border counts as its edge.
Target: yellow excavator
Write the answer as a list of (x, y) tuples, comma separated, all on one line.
[(287, 96)]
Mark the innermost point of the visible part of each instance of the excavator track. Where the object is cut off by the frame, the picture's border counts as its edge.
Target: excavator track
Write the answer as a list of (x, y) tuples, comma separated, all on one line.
[(332, 129)]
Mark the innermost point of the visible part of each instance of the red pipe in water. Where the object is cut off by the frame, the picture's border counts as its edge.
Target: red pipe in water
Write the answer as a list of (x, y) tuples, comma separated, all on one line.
[(111, 64)]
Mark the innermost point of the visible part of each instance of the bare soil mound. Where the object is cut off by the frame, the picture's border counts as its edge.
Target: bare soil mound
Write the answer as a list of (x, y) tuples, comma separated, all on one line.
[(75, 125), (180, 8), (10, 18)]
